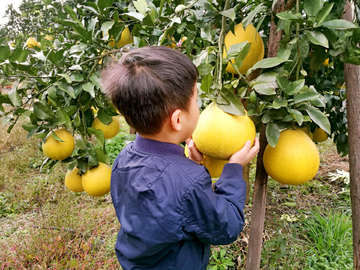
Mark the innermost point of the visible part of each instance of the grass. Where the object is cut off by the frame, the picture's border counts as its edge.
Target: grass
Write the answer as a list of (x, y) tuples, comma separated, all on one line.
[(46, 226)]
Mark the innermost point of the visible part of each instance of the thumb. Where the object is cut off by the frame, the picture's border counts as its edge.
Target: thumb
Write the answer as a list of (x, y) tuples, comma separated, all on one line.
[(247, 146)]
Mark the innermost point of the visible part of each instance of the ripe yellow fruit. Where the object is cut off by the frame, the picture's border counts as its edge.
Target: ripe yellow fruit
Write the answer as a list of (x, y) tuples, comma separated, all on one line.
[(110, 130), (306, 129), (256, 52), (320, 135), (214, 166), (126, 38), (59, 150), (49, 38), (96, 181), (31, 43), (73, 180), (326, 62), (294, 160), (219, 135)]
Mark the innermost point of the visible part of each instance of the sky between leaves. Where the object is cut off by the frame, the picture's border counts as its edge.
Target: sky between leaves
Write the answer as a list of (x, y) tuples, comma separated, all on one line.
[(3, 7)]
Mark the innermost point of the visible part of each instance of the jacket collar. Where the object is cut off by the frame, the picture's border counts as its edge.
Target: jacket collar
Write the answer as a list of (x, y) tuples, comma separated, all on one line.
[(157, 147)]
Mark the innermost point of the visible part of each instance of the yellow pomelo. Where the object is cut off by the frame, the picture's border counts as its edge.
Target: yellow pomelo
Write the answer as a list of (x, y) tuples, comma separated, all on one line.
[(109, 130), (31, 43), (214, 166), (125, 38), (256, 52), (306, 129), (73, 180), (59, 150), (294, 160), (219, 135), (320, 135), (49, 38), (96, 181)]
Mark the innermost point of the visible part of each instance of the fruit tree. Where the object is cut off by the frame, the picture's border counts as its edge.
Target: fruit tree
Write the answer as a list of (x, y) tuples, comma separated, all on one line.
[(279, 63)]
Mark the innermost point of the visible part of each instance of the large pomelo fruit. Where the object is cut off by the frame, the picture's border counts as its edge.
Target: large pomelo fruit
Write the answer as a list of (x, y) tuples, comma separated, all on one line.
[(294, 160), (219, 134), (256, 52)]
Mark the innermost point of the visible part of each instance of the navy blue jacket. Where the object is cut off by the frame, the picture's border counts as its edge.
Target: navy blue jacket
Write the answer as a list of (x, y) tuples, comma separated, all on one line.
[(168, 210)]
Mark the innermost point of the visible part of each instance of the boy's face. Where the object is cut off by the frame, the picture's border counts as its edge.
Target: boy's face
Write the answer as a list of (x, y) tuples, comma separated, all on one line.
[(192, 116)]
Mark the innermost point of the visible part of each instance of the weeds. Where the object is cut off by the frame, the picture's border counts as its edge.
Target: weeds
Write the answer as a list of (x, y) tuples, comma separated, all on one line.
[(330, 237)]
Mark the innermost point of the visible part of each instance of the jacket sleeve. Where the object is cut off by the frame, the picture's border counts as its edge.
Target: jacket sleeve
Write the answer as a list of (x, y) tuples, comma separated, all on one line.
[(216, 216)]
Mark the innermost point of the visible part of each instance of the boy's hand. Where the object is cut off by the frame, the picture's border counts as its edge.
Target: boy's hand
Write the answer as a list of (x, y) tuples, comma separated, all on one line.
[(194, 153), (244, 155)]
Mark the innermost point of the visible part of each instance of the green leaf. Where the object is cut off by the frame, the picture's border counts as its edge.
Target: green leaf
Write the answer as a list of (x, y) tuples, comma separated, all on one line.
[(79, 142), (233, 105), (321, 16), (14, 95), (42, 112), (265, 84), (99, 134), (319, 118), (135, 15), (19, 55), (294, 87), (205, 69), (103, 4), (149, 19), (103, 117), (283, 53), (67, 89), (89, 87), (63, 118), (317, 38), (339, 24), (312, 7), (272, 133), (282, 82), (230, 13), (56, 137), (279, 102), (267, 63), (290, 16), (102, 157), (298, 116), (66, 77), (206, 83), (105, 28), (306, 97), (70, 11), (180, 8), (77, 77), (252, 14), (141, 6), (75, 67), (4, 53)]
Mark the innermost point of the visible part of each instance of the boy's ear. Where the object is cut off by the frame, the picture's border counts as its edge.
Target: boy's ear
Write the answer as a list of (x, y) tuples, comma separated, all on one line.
[(176, 120)]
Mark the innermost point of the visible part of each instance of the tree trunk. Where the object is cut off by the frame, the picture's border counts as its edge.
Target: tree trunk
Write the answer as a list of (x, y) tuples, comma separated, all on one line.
[(246, 176), (352, 81), (261, 178)]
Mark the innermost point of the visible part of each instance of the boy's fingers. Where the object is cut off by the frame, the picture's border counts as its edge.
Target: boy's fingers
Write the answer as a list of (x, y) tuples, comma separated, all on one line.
[(247, 147)]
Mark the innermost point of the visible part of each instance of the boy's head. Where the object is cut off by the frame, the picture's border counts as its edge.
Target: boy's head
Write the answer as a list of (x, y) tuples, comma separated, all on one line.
[(148, 84)]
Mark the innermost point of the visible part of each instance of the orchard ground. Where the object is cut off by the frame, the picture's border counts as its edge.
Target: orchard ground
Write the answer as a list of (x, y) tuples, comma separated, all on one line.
[(44, 225)]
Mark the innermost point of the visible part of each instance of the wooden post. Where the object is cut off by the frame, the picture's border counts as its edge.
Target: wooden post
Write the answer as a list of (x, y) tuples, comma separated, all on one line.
[(352, 81), (261, 178)]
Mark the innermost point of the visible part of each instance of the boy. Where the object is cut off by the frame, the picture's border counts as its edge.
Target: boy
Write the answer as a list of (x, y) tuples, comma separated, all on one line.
[(167, 208)]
